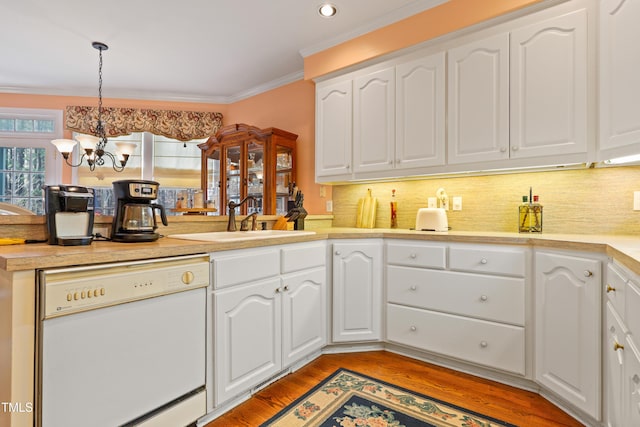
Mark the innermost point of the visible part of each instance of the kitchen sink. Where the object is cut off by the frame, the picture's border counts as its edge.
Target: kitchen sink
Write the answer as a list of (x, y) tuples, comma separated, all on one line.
[(238, 236)]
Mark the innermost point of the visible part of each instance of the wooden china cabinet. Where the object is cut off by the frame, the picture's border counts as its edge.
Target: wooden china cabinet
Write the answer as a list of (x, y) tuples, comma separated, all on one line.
[(242, 160)]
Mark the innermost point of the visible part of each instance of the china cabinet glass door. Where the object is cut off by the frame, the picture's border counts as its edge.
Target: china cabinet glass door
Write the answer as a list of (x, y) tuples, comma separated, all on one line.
[(233, 175), (284, 177), (255, 175), (213, 181)]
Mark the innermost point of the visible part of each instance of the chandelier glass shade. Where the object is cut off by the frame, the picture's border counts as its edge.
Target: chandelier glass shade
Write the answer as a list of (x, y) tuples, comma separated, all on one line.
[(94, 146)]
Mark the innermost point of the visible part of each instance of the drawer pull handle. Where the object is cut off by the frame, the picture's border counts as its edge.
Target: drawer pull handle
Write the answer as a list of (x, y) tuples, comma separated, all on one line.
[(413, 256), (610, 288), (587, 273), (617, 346), (413, 328), (484, 344), (483, 261), (483, 298), (413, 287)]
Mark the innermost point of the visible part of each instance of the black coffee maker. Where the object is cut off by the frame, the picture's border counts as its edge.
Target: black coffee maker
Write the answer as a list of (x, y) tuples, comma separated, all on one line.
[(135, 219), (69, 211)]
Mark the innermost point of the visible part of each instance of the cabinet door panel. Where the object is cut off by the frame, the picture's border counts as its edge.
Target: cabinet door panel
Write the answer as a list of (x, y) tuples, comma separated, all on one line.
[(420, 112), (303, 314), (567, 340), (614, 367), (247, 341), (374, 121), (478, 82), (334, 109), (549, 87), (357, 291), (619, 83), (631, 385)]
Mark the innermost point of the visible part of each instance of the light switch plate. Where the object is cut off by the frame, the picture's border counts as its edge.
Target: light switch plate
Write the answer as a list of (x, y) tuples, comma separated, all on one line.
[(636, 200), (457, 203), (329, 205), (432, 202)]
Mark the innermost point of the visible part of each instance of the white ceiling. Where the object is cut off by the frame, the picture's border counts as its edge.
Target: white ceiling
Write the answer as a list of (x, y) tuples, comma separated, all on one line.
[(215, 51)]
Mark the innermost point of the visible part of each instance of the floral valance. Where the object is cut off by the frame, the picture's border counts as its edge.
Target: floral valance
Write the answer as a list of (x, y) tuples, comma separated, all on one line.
[(180, 125)]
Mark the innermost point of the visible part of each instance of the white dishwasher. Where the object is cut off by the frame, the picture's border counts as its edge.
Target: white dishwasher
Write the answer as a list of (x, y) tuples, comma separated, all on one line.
[(122, 344)]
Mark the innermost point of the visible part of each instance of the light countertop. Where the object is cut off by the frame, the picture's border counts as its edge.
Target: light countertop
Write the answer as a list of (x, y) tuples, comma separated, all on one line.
[(625, 249)]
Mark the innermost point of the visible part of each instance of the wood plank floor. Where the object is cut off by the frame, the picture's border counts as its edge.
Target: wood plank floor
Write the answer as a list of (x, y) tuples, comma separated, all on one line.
[(510, 404)]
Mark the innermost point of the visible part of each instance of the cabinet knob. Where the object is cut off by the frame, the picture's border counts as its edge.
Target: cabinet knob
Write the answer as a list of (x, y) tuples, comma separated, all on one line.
[(337, 252), (617, 346), (587, 273), (413, 256), (636, 379), (503, 149), (277, 290), (483, 261), (484, 344), (413, 328), (286, 288), (515, 148), (610, 288), (413, 287), (483, 298)]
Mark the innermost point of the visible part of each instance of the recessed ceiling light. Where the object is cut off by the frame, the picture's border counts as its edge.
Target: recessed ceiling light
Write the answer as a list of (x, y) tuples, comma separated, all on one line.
[(327, 10)]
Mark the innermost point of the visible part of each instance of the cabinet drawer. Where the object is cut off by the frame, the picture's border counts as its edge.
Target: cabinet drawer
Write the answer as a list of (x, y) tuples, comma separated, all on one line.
[(488, 259), (494, 298), (242, 266), (491, 344), (417, 254), (303, 256), (632, 314), (615, 288)]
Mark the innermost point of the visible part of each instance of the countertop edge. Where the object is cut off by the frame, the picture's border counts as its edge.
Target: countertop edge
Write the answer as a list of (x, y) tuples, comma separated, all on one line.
[(625, 249)]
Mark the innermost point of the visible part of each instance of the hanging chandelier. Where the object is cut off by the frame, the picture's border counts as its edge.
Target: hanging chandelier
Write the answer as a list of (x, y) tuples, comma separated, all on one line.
[(94, 146)]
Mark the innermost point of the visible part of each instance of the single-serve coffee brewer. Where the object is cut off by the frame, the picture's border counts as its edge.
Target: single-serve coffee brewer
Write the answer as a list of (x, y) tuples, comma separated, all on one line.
[(69, 210), (135, 219)]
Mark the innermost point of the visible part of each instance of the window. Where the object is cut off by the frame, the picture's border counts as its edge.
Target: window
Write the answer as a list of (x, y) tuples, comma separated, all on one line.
[(28, 160), (174, 164)]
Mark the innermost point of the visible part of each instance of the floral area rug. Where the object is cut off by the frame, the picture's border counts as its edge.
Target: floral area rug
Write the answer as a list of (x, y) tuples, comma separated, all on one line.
[(350, 399)]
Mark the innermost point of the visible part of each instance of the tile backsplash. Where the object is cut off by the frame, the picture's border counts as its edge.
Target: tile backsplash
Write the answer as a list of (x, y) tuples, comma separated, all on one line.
[(580, 201)]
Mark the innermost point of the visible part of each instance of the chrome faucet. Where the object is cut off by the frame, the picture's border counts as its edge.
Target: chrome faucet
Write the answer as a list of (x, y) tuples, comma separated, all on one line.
[(244, 224), (231, 225)]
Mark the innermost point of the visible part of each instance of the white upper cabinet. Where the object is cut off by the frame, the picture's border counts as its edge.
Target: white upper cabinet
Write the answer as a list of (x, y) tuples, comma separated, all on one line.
[(334, 128), (420, 112), (619, 82), (549, 87), (478, 82), (374, 120), (516, 94)]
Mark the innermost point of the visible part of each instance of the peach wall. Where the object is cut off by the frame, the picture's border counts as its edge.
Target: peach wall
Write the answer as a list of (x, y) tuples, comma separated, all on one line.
[(445, 18), (292, 108)]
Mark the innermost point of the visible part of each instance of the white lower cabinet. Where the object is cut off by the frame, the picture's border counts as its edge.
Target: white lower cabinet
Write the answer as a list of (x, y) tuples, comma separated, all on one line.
[(621, 350), (567, 328), (357, 290), (248, 336), (476, 315), (263, 325)]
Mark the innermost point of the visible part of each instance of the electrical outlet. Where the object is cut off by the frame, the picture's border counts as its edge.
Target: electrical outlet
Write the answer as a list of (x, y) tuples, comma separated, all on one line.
[(329, 206), (457, 203), (636, 200), (432, 202)]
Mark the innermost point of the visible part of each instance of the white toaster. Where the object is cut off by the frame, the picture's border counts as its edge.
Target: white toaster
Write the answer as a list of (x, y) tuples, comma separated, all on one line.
[(432, 219)]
